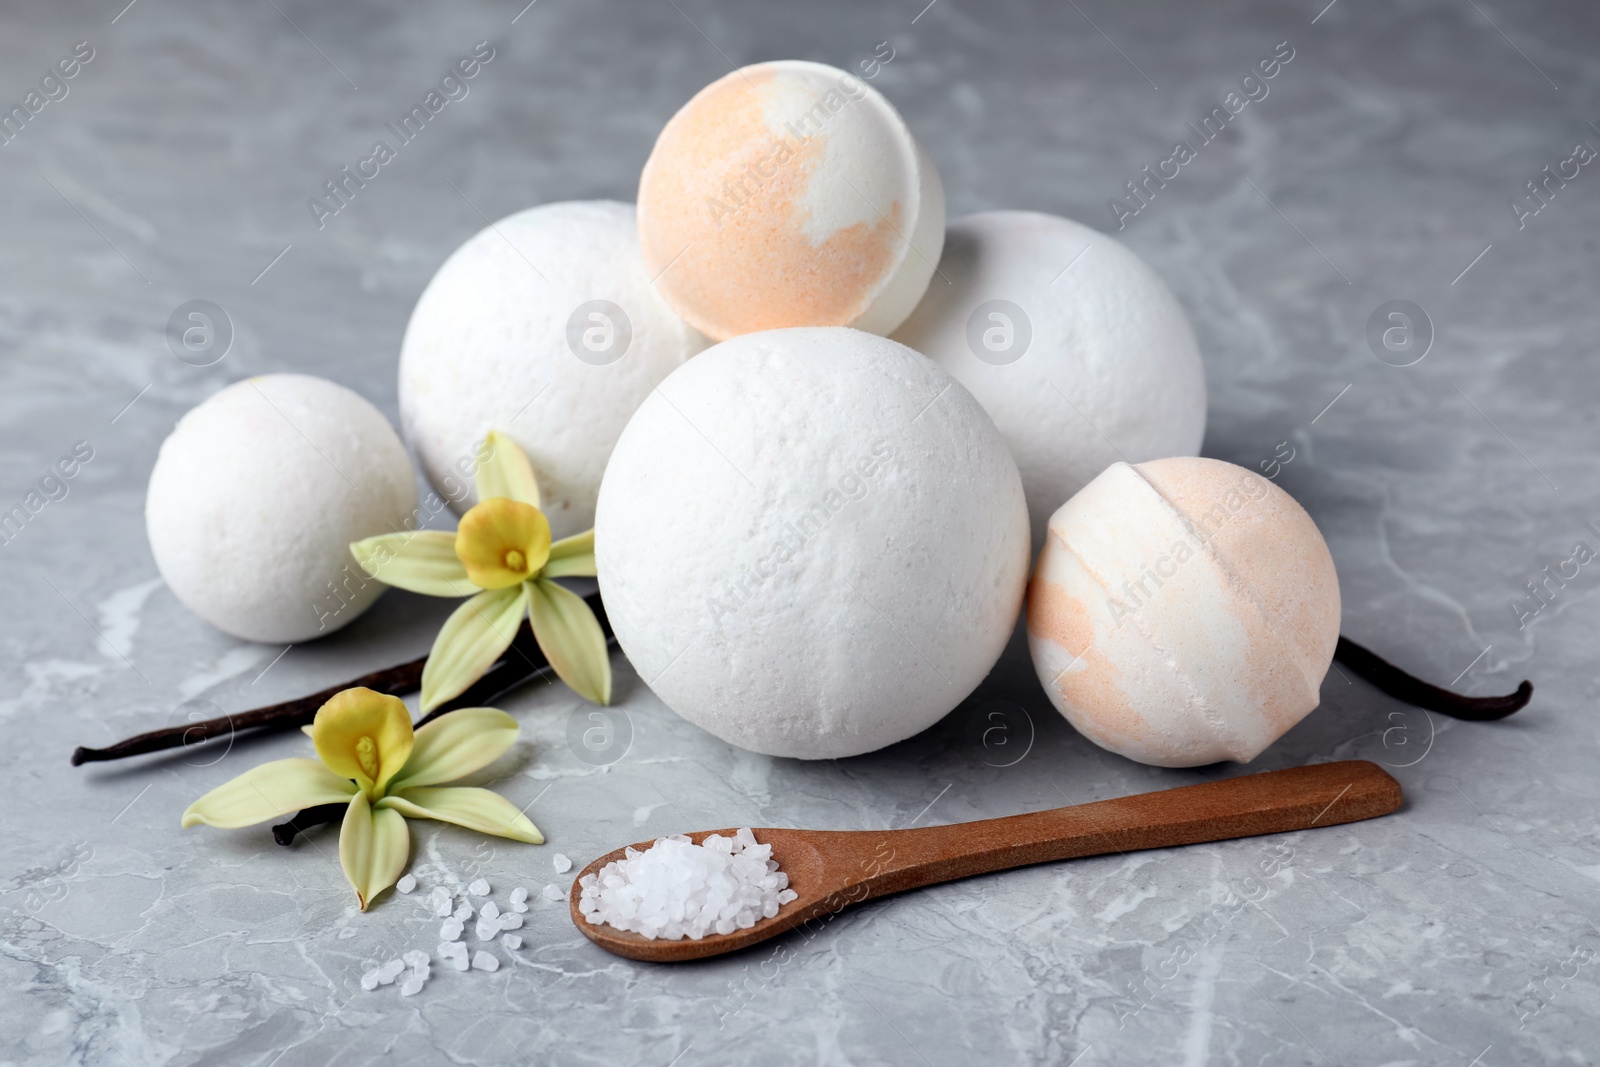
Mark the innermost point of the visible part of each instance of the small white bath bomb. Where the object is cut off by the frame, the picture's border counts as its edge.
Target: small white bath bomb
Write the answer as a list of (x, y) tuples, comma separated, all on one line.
[(1183, 611), (256, 496), (543, 326), (790, 194), (1071, 342), (811, 542)]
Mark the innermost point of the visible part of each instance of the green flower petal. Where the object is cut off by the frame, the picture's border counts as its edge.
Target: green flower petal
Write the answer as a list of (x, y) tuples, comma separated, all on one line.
[(476, 809), (373, 846), (472, 639), (571, 557), (503, 470), (267, 791), (455, 745), (423, 561), (571, 639)]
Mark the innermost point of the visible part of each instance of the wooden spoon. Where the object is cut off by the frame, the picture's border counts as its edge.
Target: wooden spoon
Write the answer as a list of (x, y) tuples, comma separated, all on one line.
[(832, 869)]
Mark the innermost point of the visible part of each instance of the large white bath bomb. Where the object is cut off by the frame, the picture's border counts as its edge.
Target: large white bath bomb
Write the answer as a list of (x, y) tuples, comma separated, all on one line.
[(790, 194), (543, 326), (1071, 342), (812, 542), (1183, 611), (256, 496)]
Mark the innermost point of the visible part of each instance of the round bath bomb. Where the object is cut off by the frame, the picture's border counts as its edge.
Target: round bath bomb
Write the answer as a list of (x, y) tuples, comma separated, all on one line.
[(790, 194), (811, 542), (543, 326), (1077, 349), (256, 496), (1183, 611)]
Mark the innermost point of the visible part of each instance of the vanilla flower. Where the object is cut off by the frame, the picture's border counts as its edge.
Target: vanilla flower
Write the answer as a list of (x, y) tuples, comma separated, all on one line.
[(370, 759), (502, 558)]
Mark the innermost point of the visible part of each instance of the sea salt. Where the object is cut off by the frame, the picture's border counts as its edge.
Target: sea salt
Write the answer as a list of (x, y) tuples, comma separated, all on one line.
[(519, 894), (450, 930), (412, 985), (485, 961), (415, 959), (563, 864), (487, 928), (454, 953), (676, 889), (512, 941), (464, 912), (479, 888), (552, 892), (490, 910), (519, 905), (440, 900), (406, 884), (510, 922)]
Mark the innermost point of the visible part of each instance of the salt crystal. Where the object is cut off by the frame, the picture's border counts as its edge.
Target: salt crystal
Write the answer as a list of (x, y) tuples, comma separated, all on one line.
[(519, 905), (464, 912), (440, 900), (563, 864), (510, 922), (552, 892), (485, 961), (490, 910), (519, 894), (411, 986), (479, 888), (676, 889), (450, 930), (406, 884), (455, 953), (369, 981), (389, 972), (511, 941), (487, 929), (415, 958)]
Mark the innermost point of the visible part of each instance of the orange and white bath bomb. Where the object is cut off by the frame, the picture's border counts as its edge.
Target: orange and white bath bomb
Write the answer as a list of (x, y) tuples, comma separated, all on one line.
[(811, 542), (1070, 341), (790, 194), (1183, 611), (543, 326), (256, 496)]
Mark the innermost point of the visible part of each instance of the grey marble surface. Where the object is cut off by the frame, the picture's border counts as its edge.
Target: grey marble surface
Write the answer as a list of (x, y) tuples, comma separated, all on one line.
[(1380, 167)]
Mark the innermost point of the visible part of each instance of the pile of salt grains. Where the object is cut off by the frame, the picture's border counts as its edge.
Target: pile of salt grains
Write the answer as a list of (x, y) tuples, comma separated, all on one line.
[(492, 923), (676, 888)]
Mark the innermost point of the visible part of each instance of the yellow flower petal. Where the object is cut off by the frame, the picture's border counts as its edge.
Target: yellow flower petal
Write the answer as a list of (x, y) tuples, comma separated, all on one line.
[(267, 791), (504, 470), (571, 557), (455, 745), (571, 639), (476, 809), (364, 735), (423, 561), (470, 642), (502, 542), (373, 847)]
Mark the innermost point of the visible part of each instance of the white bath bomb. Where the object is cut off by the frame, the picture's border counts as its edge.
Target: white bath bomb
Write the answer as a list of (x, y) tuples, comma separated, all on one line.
[(256, 496), (811, 542), (790, 194), (543, 326), (1077, 349), (1183, 611)]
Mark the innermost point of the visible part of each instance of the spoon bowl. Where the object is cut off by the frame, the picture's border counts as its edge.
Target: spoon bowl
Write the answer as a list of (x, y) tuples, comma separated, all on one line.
[(829, 870)]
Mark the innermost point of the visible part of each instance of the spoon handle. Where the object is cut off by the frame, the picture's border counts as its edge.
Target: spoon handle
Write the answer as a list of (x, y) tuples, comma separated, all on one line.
[(1301, 798)]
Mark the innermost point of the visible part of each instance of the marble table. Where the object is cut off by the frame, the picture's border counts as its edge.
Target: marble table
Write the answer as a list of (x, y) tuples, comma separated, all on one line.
[(1385, 164)]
